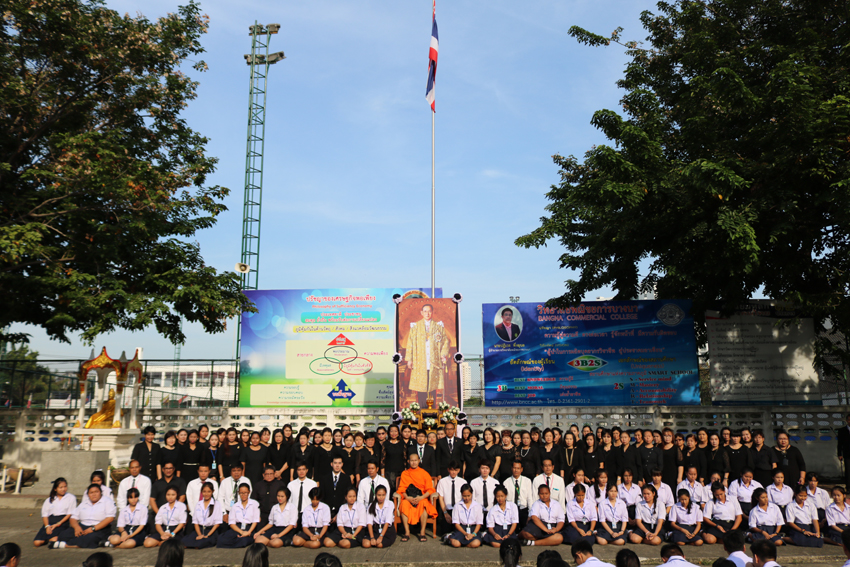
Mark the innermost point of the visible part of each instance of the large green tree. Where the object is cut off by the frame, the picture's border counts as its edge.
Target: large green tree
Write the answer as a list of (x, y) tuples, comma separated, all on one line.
[(727, 172), (102, 183), (21, 377)]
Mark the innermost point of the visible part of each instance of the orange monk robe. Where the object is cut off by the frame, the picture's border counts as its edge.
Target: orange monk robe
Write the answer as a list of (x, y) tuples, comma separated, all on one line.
[(419, 478)]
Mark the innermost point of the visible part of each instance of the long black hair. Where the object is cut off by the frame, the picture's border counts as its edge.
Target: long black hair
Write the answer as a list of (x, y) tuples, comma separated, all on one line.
[(374, 504), (715, 486), (170, 553), (510, 552), (56, 484), (327, 560), (257, 555), (99, 559), (651, 487), (686, 492), (212, 500)]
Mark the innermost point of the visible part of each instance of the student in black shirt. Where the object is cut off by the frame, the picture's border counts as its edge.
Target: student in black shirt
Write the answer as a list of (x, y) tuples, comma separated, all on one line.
[(254, 459), (301, 453), (148, 454)]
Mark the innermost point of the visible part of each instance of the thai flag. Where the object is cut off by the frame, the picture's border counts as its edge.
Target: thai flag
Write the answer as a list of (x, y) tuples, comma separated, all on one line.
[(432, 61)]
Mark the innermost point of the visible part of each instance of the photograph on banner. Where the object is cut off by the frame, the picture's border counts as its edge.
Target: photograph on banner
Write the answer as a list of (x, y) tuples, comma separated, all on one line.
[(762, 354), (427, 338), (606, 353), (320, 347)]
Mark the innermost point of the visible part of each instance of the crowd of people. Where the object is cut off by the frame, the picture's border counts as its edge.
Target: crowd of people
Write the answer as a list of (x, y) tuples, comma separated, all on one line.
[(339, 488)]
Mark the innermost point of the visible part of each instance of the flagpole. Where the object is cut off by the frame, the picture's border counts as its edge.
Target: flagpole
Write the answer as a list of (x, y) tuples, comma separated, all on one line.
[(433, 206)]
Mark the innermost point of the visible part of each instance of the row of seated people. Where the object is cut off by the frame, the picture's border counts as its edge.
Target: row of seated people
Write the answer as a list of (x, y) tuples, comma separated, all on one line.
[(333, 512)]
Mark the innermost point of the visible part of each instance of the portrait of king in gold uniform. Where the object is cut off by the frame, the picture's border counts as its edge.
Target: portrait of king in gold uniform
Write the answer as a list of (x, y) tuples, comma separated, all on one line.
[(427, 340)]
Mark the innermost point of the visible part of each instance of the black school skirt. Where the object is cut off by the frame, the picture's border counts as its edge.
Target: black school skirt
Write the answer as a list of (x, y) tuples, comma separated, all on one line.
[(769, 529), (571, 534), (42, 534), (88, 541), (615, 527), (139, 538), (678, 537), (336, 536), (389, 535), (502, 531), (726, 524), (802, 540)]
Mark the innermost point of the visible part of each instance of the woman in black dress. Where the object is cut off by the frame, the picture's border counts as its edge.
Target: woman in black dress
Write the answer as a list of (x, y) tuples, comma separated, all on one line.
[(591, 457), (230, 452), (491, 448), (671, 456), (171, 453), (203, 434), (244, 438), (192, 452), (394, 457), (549, 450), (254, 459), (610, 458), (529, 456), (507, 455), (265, 437), (571, 457), (287, 435), (210, 457), (536, 436), (472, 455), (740, 457), (370, 451), (693, 456), (349, 457), (279, 455), (324, 454), (790, 460), (301, 453), (717, 459)]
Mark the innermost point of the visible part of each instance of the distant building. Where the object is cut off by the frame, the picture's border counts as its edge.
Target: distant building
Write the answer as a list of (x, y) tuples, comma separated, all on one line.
[(466, 376)]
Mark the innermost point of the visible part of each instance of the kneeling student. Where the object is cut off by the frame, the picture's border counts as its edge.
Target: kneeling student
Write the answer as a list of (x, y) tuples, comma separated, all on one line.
[(649, 518), (581, 518), (379, 530), (350, 521), (206, 520), (315, 520), (721, 515), (545, 520), (503, 519), (170, 519), (243, 519), (283, 519), (837, 516), (685, 520), (89, 523), (766, 519), (131, 523), (802, 521), (613, 519), (55, 512), (467, 518)]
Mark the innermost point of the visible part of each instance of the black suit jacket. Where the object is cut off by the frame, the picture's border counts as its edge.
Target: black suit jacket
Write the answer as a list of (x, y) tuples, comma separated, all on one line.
[(335, 497), (503, 334), (843, 436), (429, 459), (444, 456), (265, 493)]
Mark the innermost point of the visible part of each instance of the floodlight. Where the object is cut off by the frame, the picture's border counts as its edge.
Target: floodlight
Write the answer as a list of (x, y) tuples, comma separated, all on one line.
[(275, 57)]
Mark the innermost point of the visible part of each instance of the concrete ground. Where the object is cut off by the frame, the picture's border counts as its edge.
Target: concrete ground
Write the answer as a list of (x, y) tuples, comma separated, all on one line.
[(21, 525)]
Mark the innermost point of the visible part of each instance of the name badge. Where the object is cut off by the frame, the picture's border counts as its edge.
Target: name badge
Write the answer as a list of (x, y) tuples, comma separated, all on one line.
[(548, 526), (380, 529), (468, 529), (505, 527)]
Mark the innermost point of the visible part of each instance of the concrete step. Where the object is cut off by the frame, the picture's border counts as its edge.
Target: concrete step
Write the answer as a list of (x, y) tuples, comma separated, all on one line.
[(22, 501)]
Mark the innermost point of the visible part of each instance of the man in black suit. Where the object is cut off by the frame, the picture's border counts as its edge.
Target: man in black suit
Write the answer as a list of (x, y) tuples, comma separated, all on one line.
[(843, 436), (427, 454), (449, 448), (265, 493), (335, 486), (507, 330)]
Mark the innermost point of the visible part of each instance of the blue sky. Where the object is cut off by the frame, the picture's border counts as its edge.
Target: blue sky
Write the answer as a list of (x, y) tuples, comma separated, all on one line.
[(347, 174)]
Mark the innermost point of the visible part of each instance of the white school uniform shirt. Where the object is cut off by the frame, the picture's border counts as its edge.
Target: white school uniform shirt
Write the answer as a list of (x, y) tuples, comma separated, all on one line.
[(681, 516), (141, 482), (613, 513), (383, 515), (202, 516), (444, 489), (722, 511), (820, 497), (847, 563), (580, 513), (168, 516), (479, 485), (526, 492), (228, 492), (557, 489), (364, 489), (316, 517), (588, 495), (295, 487), (630, 496), (780, 497), (739, 558), (551, 514), (472, 516), (137, 517), (282, 518), (61, 505), (696, 490), (677, 561), (89, 514), (805, 514), (741, 492), (498, 517), (770, 517), (105, 492), (351, 518), (835, 516), (241, 514), (665, 496), (594, 562), (772, 564), (650, 515), (193, 492)]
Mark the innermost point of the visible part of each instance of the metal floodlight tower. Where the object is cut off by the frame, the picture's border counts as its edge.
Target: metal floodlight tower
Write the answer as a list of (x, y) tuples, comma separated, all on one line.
[(258, 62)]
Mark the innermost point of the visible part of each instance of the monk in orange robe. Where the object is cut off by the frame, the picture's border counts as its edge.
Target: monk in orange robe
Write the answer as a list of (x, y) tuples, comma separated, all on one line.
[(415, 510)]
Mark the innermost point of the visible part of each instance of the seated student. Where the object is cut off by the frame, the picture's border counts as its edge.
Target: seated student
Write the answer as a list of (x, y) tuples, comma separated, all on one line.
[(582, 552), (159, 490), (818, 496), (56, 511), (229, 490), (350, 521), (370, 483), (599, 488), (315, 520), (447, 496), (733, 544), (779, 493), (207, 519), (685, 520), (467, 518), (548, 557), (520, 491), (801, 521), (764, 554), (837, 516), (545, 520), (742, 490), (89, 523), (243, 519), (578, 478), (170, 519), (696, 490), (379, 531), (135, 480), (335, 485), (483, 487), (721, 515), (283, 520), (131, 523), (581, 518), (300, 489), (649, 518), (663, 493), (10, 554), (502, 521), (630, 494), (554, 482), (510, 553), (766, 519), (415, 507), (99, 478), (613, 519), (672, 554), (193, 488)]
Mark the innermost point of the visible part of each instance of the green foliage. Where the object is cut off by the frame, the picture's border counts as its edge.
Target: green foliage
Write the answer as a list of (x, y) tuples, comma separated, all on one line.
[(21, 376), (101, 182), (727, 171)]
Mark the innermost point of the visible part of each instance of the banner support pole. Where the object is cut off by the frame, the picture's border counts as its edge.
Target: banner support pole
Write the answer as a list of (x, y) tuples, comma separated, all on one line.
[(433, 206)]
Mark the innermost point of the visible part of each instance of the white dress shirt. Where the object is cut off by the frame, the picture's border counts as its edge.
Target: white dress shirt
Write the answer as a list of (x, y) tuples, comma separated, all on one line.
[(739, 558), (726, 511), (471, 516), (137, 517), (772, 564), (580, 513), (770, 517), (697, 491), (228, 492), (557, 489), (282, 518), (805, 514), (202, 516), (665, 496), (677, 561), (168, 516), (295, 487), (244, 514), (61, 505), (681, 516), (820, 497), (835, 516), (526, 492), (351, 517), (383, 515), (588, 495), (479, 485), (613, 513), (140, 482), (91, 514), (193, 491), (498, 517), (742, 492), (444, 489), (631, 495), (549, 515), (650, 515), (316, 517), (779, 497), (364, 490), (105, 492), (594, 562)]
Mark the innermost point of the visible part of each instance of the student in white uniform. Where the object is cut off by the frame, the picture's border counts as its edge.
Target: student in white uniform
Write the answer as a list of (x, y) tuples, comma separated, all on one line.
[(696, 490), (483, 487), (766, 519), (193, 488), (520, 492), (131, 523), (380, 531), (243, 519), (283, 520), (545, 521), (467, 517), (780, 493), (554, 482), (350, 521), (582, 552), (630, 494), (818, 496), (369, 484), (764, 554), (99, 478), (170, 520), (742, 491), (447, 496), (721, 515), (802, 527), (502, 521), (581, 518), (228, 491), (135, 480), (55, 512), (89, 523), (663, 493), (673, 556), (300, 489), (315, 521), (734, 543), (207, 520), (837, 516), (650, 515), (578, 478), (613, 519), (685, 520)]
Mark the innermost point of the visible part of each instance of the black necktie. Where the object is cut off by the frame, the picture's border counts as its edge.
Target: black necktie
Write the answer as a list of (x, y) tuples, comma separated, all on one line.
[(372, 493), (453, 493), (451, 445), (420, 453), (485, 494), (516, 491), (547, 483), (134, 483), (300, 496), (336, 479)]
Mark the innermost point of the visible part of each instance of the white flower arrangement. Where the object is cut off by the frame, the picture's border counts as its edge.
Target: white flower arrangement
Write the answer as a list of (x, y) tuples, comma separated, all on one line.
[(407, 414), (443, 406), (430, 423), (450, 413), (415, 407)]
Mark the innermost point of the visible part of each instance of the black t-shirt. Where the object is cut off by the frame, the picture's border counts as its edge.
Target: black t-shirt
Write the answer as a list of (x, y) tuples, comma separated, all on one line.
[(160, 487)]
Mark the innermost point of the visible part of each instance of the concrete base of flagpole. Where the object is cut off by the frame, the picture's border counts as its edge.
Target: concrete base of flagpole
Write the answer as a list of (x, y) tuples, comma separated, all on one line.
[(118, 442)]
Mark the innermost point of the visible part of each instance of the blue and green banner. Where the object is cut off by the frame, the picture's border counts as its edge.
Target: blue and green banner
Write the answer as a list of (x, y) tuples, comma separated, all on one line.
[(609, 353)]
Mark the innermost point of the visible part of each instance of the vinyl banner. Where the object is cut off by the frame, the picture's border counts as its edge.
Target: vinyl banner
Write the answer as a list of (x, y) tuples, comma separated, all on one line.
[(610, 353), (320, 347)]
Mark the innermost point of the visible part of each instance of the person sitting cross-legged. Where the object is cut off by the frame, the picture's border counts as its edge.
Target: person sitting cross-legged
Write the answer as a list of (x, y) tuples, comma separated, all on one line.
[(414, 487)]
